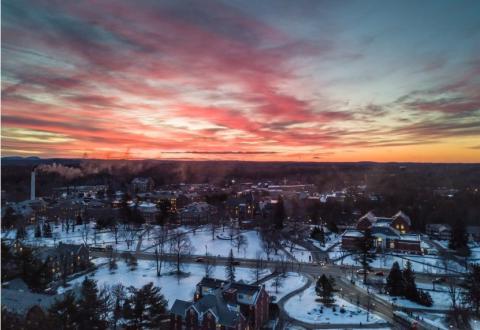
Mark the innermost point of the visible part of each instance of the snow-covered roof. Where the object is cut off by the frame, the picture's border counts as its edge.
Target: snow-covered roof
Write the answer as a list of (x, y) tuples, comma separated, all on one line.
[(352, 233)]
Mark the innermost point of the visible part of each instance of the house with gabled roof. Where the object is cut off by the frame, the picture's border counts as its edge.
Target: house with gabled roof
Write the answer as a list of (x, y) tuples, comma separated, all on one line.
[(222, 304)]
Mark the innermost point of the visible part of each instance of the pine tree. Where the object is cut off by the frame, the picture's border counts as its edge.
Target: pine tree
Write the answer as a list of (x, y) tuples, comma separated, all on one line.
[(63, 314), (47, 230), (38, 231), (395, 285), (321, 236), (230, 267), (149, 306), (471, 295), (279, 214), (89, 306), (324, 290), (21, 233), (410, 292), (459, 239), (424, 298), (366, 256)]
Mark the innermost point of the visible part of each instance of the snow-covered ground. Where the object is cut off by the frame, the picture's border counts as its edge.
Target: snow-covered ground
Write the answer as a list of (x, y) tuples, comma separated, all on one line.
[(304, 307), (298, 252), (145, 240), (79, 235), (286, 284), (172, 286), (420, 263), (474, 252), (330, 240)]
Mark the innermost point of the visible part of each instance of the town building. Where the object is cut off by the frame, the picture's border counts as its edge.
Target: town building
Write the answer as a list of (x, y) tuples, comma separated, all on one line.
[(142, 184), (439, 231), (61, 261), (400, 221), (219, 304), (196, 213)]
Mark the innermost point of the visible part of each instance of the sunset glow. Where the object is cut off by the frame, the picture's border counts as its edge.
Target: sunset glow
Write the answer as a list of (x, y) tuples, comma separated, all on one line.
[(256, 80)]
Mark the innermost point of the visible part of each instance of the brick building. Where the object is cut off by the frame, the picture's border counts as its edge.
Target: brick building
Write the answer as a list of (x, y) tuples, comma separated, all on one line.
[(224, 305)]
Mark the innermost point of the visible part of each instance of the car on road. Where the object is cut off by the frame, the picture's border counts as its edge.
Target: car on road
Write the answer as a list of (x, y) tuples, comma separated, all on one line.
[(199, 259), (236, 263), (380, 273), (439, 280), (362, 271)]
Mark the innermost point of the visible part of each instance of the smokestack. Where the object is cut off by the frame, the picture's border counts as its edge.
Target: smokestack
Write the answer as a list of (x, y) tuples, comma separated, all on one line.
[(32, 185)]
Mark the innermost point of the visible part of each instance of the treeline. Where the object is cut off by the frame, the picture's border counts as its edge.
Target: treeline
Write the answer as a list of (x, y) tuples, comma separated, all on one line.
[(115, 307)]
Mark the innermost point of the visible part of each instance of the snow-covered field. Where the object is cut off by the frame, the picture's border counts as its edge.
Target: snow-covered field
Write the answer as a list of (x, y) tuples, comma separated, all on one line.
[(144, 240), (420, 263), (286, 284), (80, 235), (172, 286), (330, 240), (303, 307)]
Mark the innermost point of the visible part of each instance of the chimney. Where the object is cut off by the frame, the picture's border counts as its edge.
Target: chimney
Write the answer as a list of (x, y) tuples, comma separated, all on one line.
[(32, 185)]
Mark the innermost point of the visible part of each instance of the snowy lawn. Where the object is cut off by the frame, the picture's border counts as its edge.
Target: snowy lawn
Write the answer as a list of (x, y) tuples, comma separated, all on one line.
[(202, 242), (298, 252), (80, 235), (172, 286), (330, 240), (286, 284), (303, 307), (420, 263)]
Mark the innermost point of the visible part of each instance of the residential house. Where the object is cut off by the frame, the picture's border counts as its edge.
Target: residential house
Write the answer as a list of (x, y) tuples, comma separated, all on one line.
[(219, 304), (439, 231)]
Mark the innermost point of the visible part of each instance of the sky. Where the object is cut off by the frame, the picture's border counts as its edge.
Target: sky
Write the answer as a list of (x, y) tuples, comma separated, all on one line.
[(242, 80)]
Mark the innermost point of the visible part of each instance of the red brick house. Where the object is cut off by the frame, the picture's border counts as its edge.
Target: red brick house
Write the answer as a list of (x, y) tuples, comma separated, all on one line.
[(400, 221), (385, 237), (220, 304)]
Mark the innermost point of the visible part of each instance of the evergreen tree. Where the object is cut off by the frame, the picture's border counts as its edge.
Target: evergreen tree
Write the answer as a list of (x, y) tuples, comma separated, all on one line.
[(471, 295), (230, 267), (395, 285), (410, 291), (458, 240), (365, 254), (324, 289), (63, 314), (424, 298), (321, 236), (21, 233), (38, 231), (149, 307), (279, 213), (79, 220), (89, 307), (47, 230)]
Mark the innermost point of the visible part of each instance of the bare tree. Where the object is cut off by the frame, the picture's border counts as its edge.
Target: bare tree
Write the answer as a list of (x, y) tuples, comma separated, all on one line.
[(85, 233), (239, 242), (180, 246), (129, 235), (209, 265), (258, 269), (161, 239), (278, 282)]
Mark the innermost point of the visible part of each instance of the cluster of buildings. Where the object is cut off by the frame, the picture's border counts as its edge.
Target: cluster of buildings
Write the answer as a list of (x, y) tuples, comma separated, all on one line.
[(389, 233), (219, 304)]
